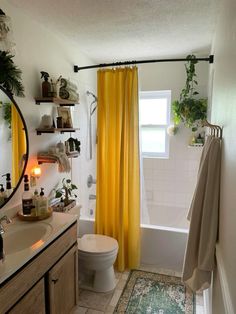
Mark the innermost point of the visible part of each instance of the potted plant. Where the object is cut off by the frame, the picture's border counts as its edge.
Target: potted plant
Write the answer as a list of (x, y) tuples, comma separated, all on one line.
[(190, 109), (66, 193)]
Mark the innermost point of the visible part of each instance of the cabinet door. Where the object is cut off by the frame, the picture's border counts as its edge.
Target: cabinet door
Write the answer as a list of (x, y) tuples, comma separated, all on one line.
[(33, 302), (63, 283)]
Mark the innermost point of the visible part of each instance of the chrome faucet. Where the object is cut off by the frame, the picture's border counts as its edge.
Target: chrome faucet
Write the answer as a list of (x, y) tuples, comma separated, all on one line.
[(91, 181), (6, 220), (2, 230)]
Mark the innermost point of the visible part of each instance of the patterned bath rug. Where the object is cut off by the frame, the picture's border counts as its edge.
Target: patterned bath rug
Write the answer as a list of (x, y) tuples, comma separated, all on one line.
[(151, 293)]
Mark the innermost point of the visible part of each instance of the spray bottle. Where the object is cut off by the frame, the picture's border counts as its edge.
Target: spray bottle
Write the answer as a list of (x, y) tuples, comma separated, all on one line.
[(46, 86)]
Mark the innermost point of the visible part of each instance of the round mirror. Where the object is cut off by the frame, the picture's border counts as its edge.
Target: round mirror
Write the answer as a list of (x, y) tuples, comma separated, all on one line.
[(13, 146)]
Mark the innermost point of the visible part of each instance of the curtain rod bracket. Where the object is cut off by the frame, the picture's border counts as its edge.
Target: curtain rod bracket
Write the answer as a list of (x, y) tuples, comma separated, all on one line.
[(209, 59)]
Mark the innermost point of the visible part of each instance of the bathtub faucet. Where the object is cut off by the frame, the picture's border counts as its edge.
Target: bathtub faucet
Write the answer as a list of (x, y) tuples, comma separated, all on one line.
[(91, 181)]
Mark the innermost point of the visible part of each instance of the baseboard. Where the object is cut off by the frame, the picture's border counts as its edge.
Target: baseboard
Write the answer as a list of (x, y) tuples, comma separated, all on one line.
[(228, 305)]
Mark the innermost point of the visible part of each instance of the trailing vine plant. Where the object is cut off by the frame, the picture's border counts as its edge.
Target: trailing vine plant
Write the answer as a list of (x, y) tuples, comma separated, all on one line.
[(189, 109), (10, 75), (7, 114)]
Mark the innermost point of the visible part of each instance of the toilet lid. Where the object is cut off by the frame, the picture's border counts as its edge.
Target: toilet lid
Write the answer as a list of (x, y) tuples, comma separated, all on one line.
[(97, 243)]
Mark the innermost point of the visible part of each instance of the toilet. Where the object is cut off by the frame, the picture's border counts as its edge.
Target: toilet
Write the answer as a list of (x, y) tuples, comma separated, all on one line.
[(96, 255)]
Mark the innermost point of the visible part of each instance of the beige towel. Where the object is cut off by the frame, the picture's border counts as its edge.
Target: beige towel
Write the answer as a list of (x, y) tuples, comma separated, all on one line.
[(61, 158), (203, 215)]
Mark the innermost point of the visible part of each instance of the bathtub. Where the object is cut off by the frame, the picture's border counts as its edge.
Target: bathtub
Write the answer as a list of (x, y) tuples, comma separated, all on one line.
[(164, 233), (162, 243)]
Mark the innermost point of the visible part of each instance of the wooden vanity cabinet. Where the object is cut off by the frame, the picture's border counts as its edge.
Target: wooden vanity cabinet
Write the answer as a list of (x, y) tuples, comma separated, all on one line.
[(48, 283), (63, 283), (32, 302)]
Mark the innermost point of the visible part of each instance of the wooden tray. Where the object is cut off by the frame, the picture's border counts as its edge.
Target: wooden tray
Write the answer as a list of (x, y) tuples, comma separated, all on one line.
[(34, 218)]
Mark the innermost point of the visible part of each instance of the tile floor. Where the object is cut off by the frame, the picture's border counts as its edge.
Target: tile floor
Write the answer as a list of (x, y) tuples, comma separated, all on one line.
[(105, 303)]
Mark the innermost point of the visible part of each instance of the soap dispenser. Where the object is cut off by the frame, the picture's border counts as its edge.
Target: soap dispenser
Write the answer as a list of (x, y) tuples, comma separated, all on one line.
[(27, 197), (34, 211), (42, 204), (2, 195), (8, 184)]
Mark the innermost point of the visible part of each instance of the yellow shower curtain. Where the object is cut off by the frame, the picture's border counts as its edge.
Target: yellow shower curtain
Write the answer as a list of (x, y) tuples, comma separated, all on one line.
[(18, 145), (118, 177)]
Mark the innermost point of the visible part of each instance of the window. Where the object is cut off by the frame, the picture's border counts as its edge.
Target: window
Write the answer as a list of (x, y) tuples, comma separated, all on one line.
[(154, 118)]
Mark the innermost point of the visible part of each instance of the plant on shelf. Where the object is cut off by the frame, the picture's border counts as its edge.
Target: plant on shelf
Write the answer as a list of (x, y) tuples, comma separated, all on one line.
[(10, 75), (66, 192), (190, 109)]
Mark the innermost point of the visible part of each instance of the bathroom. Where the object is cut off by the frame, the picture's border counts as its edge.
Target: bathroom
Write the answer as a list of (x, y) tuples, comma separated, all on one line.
[(168, 182)]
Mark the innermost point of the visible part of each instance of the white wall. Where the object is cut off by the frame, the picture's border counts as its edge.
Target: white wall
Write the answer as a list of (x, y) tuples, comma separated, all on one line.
[(39, 49), (171, 182), (224, 114)]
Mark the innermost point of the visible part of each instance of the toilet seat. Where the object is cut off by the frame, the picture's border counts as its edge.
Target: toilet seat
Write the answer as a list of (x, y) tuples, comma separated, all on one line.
[(97, 244)]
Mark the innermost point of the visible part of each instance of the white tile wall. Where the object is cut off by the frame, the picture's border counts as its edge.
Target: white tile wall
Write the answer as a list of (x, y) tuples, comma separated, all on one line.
[(171, 181), (85, 166)]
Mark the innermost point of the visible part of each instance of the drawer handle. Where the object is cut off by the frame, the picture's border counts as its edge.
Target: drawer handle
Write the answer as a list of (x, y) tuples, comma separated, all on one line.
[(54, 280)]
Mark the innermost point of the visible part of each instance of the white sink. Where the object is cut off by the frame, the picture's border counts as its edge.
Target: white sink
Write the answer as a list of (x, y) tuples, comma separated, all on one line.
[(24, 236)]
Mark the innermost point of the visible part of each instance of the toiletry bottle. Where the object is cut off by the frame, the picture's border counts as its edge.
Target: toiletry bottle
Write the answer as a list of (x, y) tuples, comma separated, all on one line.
[(52, 89), (46, 86), (2, 195), (61, 205), (8, 184), (27, 197), (42, 204), (34, 211)]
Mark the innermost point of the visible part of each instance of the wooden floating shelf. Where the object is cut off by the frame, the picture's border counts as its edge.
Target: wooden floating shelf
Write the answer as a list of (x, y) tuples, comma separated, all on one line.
[(55, 130), (45, 160), (55, 100)]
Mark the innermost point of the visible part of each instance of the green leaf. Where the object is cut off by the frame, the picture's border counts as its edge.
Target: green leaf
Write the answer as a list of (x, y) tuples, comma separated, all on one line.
[(10, 75), (58, 194)]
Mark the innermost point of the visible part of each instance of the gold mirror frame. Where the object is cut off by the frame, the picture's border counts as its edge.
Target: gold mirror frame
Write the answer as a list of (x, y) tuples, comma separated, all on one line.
[(26, 156)]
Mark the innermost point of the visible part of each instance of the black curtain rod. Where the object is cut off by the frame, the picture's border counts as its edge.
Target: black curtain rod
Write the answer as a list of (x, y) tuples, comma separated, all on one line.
[(210, 59)]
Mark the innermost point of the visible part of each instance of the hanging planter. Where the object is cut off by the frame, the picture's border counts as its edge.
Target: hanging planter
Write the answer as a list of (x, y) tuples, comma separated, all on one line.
[(189, 109)]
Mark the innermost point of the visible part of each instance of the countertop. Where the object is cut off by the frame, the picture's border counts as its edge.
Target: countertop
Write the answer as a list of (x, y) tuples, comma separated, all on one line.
[(56, 224)]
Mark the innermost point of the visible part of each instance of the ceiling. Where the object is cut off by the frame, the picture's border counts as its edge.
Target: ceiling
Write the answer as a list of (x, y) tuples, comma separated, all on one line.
[(115, 30)]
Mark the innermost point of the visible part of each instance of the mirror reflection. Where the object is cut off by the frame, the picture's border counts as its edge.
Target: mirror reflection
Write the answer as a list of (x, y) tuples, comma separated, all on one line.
[(13, 147)]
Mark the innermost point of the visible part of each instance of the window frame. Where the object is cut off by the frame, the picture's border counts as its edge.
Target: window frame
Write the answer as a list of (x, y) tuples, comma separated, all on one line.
[(166, 94)]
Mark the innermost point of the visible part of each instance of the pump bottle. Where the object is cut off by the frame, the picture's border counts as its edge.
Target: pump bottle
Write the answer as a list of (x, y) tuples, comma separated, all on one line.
[(27, 197), (3, 196), (8, 184)]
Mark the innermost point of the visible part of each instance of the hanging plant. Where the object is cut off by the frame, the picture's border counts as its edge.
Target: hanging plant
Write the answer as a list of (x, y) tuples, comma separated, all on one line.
[(189, 109), (7, 114), (10, 75)]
